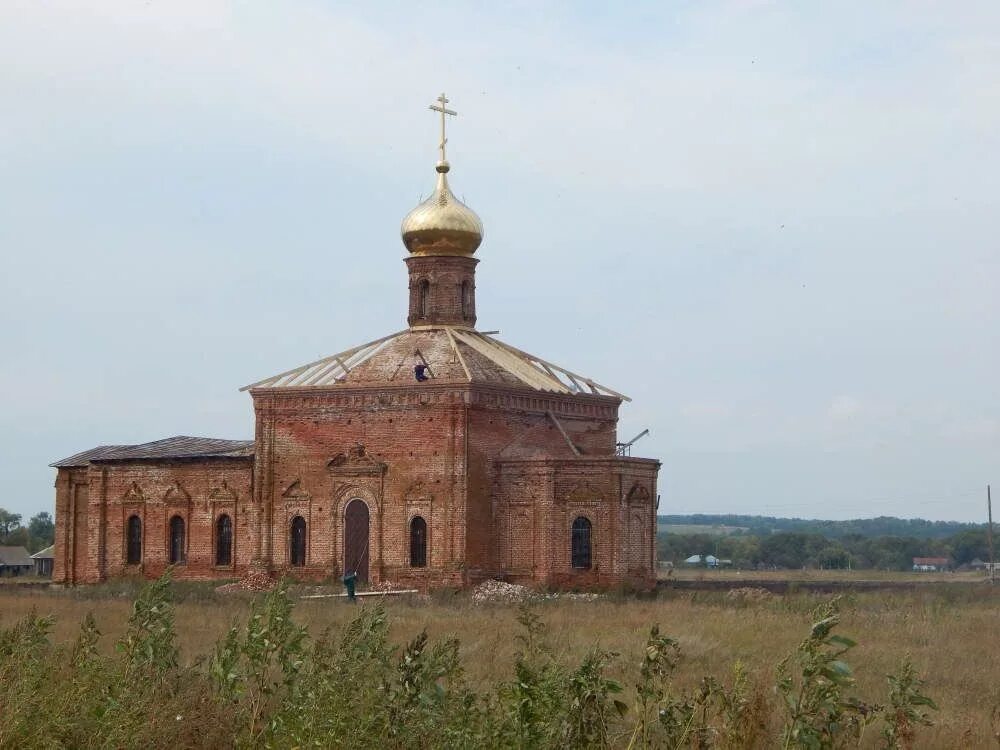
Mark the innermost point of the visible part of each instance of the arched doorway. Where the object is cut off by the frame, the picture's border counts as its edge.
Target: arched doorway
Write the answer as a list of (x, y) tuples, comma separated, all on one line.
[(356, 551)]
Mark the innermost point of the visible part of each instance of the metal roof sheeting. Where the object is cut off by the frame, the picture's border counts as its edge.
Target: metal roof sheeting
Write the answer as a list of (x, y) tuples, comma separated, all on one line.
[(48, 553), (180, 446)]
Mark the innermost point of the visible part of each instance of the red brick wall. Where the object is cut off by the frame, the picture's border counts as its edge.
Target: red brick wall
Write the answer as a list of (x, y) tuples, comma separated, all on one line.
[(197, 491), (71, 516), (538, 501), (440, 279), (486, 467), (417, 435)]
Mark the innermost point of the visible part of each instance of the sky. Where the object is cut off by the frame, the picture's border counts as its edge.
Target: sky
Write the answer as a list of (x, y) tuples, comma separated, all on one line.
[(773, 225)]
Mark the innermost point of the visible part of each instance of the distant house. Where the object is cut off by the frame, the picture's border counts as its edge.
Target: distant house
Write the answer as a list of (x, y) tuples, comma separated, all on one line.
[(709, 561), (14, 561), (43, 561), (927, 564)]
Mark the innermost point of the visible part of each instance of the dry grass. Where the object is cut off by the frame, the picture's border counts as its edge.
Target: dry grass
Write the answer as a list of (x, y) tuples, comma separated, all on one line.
[(945, 631)]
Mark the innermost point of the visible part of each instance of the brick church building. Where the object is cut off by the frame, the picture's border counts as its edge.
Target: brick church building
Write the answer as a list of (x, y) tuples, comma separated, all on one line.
[(434, 456)]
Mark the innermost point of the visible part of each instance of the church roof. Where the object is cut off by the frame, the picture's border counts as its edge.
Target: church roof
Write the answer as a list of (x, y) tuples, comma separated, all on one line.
[(180, 446), (451, 354)]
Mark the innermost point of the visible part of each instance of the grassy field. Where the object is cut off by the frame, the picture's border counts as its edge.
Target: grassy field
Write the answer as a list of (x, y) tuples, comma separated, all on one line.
[(945, 631), (741, 577)]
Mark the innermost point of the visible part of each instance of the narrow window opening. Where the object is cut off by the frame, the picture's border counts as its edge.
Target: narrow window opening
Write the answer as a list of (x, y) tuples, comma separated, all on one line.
[(224, 540), (424, 298), (418, 542), (177, 553), (466, 300), (298, 542), (581, 552), (133, 536)]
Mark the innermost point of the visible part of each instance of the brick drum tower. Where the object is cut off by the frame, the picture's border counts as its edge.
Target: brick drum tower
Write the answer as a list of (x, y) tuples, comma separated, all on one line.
[(434, 456)]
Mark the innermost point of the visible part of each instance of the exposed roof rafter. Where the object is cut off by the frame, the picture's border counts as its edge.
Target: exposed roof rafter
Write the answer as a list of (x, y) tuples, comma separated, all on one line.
[(324, 371), (533, 371)]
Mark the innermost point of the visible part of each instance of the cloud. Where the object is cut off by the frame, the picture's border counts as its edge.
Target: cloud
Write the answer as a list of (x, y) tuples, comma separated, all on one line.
[(732, 211), (704, 411), (976, 429), (844, 409)]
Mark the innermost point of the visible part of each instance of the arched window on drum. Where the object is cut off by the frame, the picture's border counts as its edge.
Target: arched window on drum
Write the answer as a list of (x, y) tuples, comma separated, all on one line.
[(424, 298), (466, 300)]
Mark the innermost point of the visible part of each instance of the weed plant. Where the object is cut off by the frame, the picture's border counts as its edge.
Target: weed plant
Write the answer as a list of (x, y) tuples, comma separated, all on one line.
[(268, 684)]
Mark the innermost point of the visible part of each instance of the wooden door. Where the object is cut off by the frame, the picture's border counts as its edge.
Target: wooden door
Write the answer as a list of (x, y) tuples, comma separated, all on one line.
[(356, 548)]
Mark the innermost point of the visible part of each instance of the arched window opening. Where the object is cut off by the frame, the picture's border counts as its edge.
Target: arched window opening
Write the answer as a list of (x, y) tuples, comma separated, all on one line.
[(418, 542), (224, 540), (177, 555), (424, 298), (466, 300), (581, 543), (133, 541), (298, 542)]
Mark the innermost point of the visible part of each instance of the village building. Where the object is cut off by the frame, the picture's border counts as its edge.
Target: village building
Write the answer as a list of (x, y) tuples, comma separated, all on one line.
[(437, 455), (931, 564), (43, 560), (15, 561)]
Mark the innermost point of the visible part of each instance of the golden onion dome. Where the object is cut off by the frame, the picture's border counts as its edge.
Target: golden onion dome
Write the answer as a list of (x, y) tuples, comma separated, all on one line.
[(442, 224)]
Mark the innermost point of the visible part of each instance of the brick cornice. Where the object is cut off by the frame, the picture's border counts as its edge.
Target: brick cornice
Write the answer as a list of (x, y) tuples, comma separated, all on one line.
[(481, 395), (652, 464)]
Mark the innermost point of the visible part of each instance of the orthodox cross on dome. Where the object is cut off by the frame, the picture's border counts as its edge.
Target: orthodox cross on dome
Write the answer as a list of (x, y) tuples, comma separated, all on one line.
[(444, 111)]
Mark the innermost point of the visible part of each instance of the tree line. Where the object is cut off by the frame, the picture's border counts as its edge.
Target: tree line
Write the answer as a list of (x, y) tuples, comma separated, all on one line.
[(37, 535), (794, 549), (919, 528)]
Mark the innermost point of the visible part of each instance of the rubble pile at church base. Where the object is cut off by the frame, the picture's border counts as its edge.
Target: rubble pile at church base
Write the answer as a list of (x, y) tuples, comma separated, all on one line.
[(255, 580), (493, 591)]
